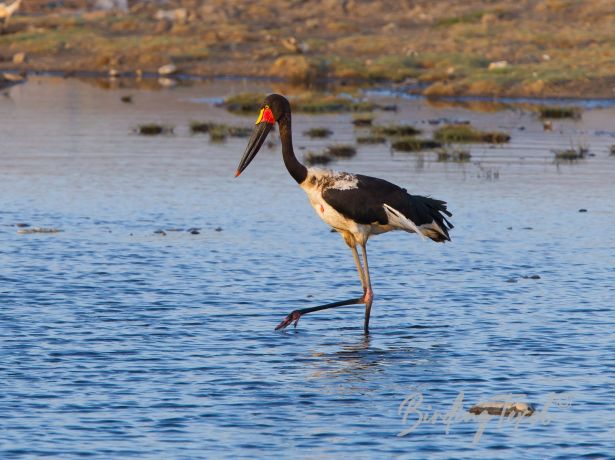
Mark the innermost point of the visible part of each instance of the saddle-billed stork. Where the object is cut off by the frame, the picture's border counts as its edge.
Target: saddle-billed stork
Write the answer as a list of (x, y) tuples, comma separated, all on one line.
[(356, 206)]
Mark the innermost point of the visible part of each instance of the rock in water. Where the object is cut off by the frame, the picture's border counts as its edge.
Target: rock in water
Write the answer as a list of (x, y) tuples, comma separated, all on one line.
[(497, 408), (25, 231)]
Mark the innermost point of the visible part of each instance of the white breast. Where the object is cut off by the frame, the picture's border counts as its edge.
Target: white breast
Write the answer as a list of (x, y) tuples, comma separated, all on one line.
[(317, 180)]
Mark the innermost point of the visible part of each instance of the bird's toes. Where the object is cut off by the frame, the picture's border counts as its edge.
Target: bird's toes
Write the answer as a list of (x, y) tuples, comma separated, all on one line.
[(290, 318)]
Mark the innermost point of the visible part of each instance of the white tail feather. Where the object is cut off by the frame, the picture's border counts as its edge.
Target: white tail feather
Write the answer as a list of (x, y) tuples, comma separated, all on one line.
[(397, 219), (434, 227)]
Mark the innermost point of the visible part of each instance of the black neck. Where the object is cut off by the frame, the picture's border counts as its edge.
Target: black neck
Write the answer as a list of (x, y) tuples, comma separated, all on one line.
[(296, 169)]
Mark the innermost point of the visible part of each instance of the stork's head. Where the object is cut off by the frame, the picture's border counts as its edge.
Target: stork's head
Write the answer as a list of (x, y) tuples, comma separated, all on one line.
[(273, 109)]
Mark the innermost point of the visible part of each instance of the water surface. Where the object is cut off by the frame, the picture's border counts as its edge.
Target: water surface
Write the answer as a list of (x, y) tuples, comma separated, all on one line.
[(119, 342)]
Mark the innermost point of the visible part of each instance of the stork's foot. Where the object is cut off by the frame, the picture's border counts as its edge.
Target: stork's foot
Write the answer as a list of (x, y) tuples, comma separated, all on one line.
[(296, 314), (292, 316)]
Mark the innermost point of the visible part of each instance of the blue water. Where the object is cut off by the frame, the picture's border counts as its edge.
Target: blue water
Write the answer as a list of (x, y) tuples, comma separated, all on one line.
[(119, 342)]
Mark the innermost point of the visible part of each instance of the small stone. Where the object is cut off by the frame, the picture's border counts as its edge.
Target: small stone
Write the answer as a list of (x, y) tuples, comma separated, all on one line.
[(531, 277), (166, 82), (390, 27), (291, 45), (20, 58), (177, 15), (511, 280), (167, 69), (160, 232), (126, 99), (497, 65), (25, 231), (218, 229), (114, 73), (194, 232), (22, 225), (582, 210)]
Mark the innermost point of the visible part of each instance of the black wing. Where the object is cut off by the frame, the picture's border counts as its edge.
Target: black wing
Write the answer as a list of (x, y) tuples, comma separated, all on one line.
[(364, 204)]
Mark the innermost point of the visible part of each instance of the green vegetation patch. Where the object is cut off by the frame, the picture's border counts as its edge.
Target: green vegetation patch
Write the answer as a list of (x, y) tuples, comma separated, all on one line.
[(413, 144), (341, 151), (200, 127), (456, 155), (318, 132), (244, 103), (559, 112), (371, 139), (466, 133), (363, 119), (571, 154), (219, 131), (238, 131), (307, 103), (314, 158), (395, 130), (153, 129)]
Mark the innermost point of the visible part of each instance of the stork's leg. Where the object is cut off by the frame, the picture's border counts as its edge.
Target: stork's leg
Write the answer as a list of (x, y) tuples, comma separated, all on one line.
[(369, 294), (296, 314), (357, 262)]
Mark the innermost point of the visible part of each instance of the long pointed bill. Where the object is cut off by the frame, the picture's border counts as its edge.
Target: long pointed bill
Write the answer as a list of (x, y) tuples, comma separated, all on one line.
[(264, 123)]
